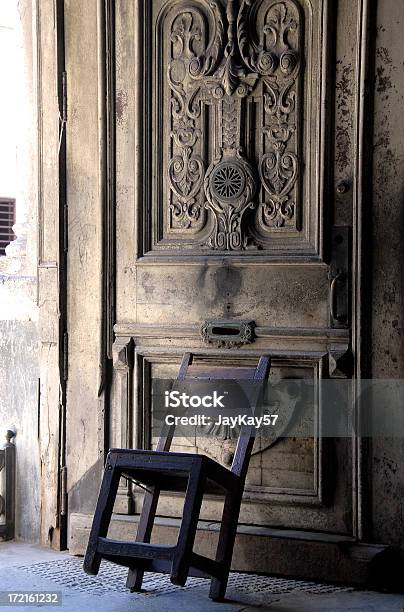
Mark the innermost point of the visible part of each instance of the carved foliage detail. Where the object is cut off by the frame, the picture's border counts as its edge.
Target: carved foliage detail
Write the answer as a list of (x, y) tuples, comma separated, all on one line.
[(279, 165), (185, 168), (216, 61)]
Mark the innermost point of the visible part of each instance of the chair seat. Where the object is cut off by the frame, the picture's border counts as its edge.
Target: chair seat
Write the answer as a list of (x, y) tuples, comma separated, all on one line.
[(169, 471)]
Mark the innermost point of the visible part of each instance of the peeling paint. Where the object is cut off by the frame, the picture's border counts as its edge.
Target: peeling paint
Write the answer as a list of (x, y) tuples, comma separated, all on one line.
[(388, 253), (344, 93), (121, 103)]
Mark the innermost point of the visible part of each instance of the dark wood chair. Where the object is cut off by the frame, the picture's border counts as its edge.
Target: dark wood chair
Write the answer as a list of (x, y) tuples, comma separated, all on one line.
[(172, 471)]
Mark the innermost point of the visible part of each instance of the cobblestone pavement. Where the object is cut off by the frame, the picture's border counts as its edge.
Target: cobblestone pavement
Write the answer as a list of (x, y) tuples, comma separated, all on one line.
[(29, 568)]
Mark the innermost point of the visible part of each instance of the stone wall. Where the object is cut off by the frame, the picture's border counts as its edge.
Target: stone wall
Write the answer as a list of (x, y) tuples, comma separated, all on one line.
[(19, 342)]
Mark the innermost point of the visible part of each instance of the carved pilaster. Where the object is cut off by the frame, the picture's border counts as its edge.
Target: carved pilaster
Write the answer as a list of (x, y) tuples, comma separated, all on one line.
[(121, 421)]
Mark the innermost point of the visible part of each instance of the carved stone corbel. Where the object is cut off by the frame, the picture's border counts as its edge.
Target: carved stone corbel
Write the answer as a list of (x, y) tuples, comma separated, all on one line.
[(122, 353), (339, 360)]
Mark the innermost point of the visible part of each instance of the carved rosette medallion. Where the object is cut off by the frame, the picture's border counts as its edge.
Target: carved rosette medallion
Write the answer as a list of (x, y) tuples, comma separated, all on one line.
[(227, 181), (233, 103), (230, 186)]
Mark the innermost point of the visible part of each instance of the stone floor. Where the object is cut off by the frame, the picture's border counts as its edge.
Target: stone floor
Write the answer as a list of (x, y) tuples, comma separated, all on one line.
[(30, 568)]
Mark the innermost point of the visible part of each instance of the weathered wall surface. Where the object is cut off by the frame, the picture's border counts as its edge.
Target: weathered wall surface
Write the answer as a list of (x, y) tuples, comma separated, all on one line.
[(49, 283), (8, 103), (85, 250), (19, 410), (387, 253), (19, 344)]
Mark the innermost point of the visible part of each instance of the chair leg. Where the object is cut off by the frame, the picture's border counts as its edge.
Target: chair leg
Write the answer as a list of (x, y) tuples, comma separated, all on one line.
[(186, 538), (134, 579), (135, 575), (227, 536), (145, 527), (102, 516)]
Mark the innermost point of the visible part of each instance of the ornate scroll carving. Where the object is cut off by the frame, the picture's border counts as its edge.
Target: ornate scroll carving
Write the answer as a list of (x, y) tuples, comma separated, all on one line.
[(276, 56), (185, 169), (186, 175), (279, 167), (217, 63), (230, 181)]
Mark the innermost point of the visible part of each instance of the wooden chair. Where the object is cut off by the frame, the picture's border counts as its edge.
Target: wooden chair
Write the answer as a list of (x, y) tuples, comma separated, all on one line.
[(172, 471)]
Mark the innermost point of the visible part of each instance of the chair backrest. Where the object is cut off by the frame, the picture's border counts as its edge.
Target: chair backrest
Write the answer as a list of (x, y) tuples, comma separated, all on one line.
[(204, 372)]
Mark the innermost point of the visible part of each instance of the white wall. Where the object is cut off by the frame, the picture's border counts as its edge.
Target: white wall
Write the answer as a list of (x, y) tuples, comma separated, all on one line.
[(19, 342), (9, 98)]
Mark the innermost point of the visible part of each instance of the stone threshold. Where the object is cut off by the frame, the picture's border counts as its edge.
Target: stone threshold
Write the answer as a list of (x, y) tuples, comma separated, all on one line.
[(283, 552)]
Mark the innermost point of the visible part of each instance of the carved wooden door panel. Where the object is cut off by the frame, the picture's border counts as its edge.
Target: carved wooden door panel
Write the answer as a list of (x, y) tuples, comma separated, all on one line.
[(234, 123)]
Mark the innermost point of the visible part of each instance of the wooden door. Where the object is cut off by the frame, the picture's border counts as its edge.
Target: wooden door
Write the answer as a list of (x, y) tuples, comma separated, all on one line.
[(237, 126)]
